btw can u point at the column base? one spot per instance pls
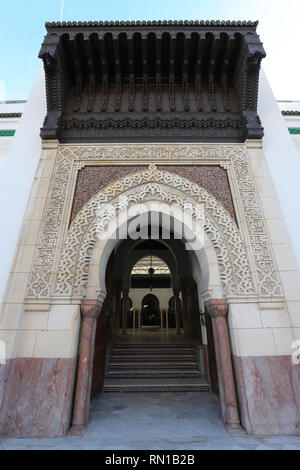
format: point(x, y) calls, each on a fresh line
point(234, 429)
point(77, 430)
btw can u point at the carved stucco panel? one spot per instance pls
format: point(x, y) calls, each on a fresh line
point(228, 156)
point(225, 236)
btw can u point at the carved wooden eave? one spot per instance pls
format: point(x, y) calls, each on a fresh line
point(152, 81)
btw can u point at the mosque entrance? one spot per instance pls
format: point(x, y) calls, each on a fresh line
point(157, 327)
point(154, 328)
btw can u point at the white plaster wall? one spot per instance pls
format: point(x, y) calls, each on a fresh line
point(260, 330)
point(12, 107)
point(282, 159)
point(17, 175)
point(5, 143)
point(8, 124)
point(296, 140)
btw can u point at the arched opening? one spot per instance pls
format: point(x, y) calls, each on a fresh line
point(192, 266)
point(150, 313)
point(153, 299)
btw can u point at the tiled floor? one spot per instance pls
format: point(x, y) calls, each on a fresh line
point(171, 421)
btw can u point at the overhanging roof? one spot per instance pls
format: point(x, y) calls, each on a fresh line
point(155, 80)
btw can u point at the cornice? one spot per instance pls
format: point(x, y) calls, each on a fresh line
point(10, 115)
point(143, 23)
point(290, 113)
point(141, 76)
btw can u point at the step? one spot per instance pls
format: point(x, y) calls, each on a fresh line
point(150, 365)
point(169, 357)
point(153, 373)
point(152, 345)
point(157, 385)
point(152, 351)
point(183, 388)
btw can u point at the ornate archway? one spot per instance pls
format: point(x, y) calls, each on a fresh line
point(88, 233)
point(147, 185)
point(150, 312)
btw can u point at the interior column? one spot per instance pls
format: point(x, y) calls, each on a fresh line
point(117, 307)
point(125, 308)
point(177, 310)
point(185, 306)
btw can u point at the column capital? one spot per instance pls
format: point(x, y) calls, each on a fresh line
point(217, 308)
point(91, 308)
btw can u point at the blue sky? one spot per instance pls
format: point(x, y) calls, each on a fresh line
point(22, 31)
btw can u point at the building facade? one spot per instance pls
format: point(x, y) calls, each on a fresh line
point(10, 114)
point(158, 116)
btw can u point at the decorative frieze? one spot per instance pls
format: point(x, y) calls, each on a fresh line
point(91, 179)
point(145, 185)
point(233, 157)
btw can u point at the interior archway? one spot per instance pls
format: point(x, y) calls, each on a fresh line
point(174, 315)
point(150, 312)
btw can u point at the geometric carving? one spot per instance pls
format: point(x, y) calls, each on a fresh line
point(91, 179)
point(213, 178)
point(232, 157)
point(148, 184)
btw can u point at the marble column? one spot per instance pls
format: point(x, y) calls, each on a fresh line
point(218, 310)
point(177, 310)
point(124, 311)
point(117, 308)
point(133, 319)
point(90, 311)
point(210, 310)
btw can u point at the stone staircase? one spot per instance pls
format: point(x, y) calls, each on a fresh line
point(155, 368)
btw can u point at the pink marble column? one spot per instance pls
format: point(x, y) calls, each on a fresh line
point(90, 311)
point(210, 310)
point(218, 310)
